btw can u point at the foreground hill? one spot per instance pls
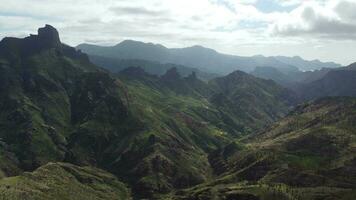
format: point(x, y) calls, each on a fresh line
point(39, 87)
point(310, 154)
point(64, 181)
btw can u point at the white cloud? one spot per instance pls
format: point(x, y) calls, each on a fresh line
point(230, 26)
point(333, 19)
point(289, 2)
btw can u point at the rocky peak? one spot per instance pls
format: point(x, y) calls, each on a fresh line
point(171, 74)
point(49, 36)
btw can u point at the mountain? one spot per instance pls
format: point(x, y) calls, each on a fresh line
point(241, 94)
point(304, 65)
point(336, 82)
point(291, 79)
point(37, 78)
point(57, 106)
point(152, 67)
point(154, 133)
point(310, 154)
point(271, 73)
point(198, 118)
point(314, 84)
point(70, 129)
point(204, 59)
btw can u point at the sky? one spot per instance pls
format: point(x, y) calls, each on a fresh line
point(312, 29)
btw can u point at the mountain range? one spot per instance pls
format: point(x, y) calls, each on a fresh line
point(314, 84)
point(70, 129)
point(202, 58)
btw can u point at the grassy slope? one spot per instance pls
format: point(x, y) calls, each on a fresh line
point(171, 151)
point(252, 101)
point(56, 106)
point(182, 127)
point(308, 155)
point(63, 181)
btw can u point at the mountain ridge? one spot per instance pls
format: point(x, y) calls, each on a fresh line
point(195, 56)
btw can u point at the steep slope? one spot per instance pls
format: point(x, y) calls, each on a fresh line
point(204, 59)
point(250, 98)
point(57, 106)
point(238, 89)
point(185, 122)
point(337, 82)
point(310, 154)
point(50, 96)
point(63, 181)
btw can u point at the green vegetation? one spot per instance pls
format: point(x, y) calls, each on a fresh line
point(305, 155)
point(63, 181)
point(166, 137)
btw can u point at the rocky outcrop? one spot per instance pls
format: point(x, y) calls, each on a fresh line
point(171, 75)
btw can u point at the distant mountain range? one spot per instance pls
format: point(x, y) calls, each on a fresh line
point(314, 84)
point(335, 82)
point(199, 57)
point(305, 65)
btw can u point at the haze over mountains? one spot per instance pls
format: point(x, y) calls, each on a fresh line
point(71, 129)
point(308, 79)
point(201, 58)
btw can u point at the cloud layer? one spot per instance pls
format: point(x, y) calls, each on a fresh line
point(332, 19)
point(312, 29)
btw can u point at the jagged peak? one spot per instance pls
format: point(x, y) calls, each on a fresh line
point(49, 35)
point(171, 74)
point(46, 38)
